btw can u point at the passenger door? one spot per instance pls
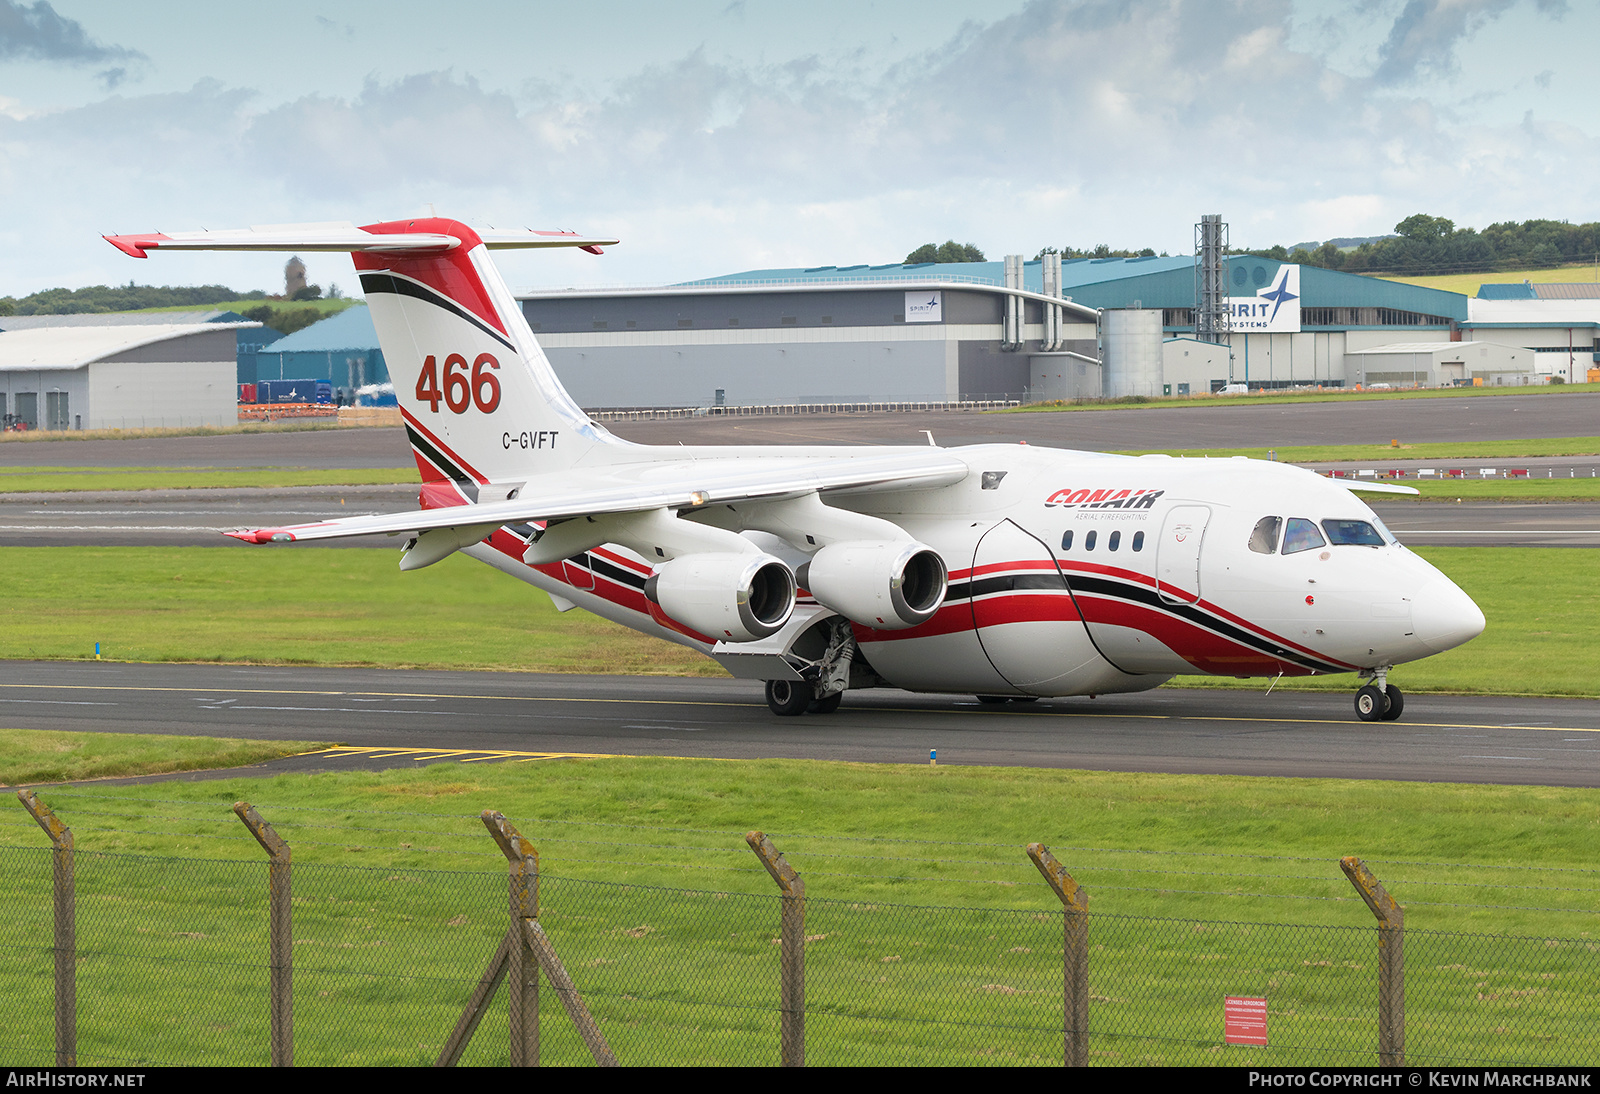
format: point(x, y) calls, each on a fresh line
point(1178, 553)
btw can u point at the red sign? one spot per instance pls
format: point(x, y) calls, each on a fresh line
point(1244, 1021)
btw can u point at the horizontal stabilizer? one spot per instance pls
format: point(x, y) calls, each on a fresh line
point(341, 236)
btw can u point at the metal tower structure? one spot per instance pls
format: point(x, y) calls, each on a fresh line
point(1211, 321)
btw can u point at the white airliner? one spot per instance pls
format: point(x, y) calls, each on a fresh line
point(1006, 571)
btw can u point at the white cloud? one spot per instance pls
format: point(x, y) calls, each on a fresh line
point(1073, 123)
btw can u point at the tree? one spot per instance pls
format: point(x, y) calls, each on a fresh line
point(948, 251)
point(1425, 229)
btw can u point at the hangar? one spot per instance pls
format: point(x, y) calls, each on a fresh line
point(93, 372)
point(853, 334)
point(1027, 330)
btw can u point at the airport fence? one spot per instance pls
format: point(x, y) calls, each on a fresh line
point(121, 959)
point(767, 410)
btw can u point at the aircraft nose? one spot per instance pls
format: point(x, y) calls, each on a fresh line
point(1443, 617)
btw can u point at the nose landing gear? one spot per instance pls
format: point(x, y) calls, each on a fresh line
point(1379, 701)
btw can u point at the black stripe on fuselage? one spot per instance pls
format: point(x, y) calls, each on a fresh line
point(1006, 583)
point(404, 286)
point(462, 480)
point(601, 568)
point(1191, 613)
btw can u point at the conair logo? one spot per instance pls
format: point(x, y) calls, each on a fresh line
point(459, 392)
point(1102, 499)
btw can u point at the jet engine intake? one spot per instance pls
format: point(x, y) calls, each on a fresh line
point(887, 586)
point(732, 597)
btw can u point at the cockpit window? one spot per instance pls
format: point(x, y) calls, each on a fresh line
point(1357, 533)
point(1264, 540)
point(1302, 535)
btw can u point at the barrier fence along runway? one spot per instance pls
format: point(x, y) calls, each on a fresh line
point(170, 958)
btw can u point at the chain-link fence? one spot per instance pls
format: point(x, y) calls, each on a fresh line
point(172, 963)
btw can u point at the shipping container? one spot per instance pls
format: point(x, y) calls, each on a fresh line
point(247, 393)
point(294, 391)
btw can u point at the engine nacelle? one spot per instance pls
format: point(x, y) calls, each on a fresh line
point(887, 586)
point(732, 597)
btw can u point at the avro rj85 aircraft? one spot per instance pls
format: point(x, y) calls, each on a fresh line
point(1006, 571)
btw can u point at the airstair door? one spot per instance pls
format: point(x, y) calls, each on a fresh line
point(1178, 553)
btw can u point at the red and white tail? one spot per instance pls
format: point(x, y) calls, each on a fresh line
point(481, 403)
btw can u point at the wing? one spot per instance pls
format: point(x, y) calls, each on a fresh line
point(1360, 487)
point(673, 484)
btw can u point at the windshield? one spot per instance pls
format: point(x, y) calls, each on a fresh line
point(1302, 535)
point(1356, 533)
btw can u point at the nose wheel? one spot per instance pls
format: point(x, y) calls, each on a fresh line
point(1379, 703)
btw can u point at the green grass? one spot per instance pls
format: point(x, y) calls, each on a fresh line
point(326, 305)
point(356, 608)
point(39, 436)
point(1507, 490)
point(1378, 453)
point(931, 938)
point(16, 480)
point(302, 606)
point(40, 756)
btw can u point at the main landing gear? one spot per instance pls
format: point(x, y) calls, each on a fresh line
point(1379, 701)
point(823, 682)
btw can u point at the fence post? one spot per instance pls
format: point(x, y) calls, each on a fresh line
point(280, 930)
point(1075, 956)
point(1391, 961)
point(792, 950)
point(65, 942)
point(523, 968)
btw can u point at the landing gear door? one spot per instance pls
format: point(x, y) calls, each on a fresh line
point(1178, 553)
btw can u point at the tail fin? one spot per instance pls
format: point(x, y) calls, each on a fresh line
point(480, 400)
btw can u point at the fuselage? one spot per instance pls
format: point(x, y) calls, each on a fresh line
point(1080, 573)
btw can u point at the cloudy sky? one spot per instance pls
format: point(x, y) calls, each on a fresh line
point(714, 136)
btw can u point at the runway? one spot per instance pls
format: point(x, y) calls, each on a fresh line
point(1212, 424)
point(404, 719)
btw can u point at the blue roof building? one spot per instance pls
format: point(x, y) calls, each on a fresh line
point(341, 349)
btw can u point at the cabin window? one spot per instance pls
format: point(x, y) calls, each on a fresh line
point(1088, 541)
point(1302, 535)
point(1355, 533)
point(1264, 540)
point(1114, 542)
point(1066, 540)
point(1138, 541)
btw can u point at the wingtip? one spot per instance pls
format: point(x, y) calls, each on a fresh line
point(261, 535)
point(135, 245)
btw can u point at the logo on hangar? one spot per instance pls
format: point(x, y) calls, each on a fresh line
point(1107, 498)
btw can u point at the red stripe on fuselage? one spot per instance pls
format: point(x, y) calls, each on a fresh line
point(1133, 576)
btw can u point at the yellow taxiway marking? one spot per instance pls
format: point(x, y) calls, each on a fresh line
point(761, 706)
point(466, 755)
